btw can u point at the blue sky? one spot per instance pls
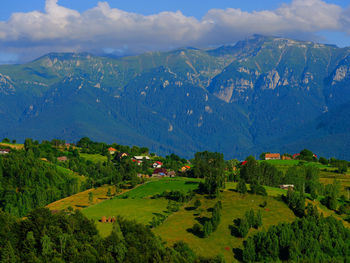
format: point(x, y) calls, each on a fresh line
point(32, 28)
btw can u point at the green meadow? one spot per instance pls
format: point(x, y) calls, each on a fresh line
point(95, 158)
point(137, 204)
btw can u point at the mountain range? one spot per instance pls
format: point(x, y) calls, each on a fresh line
point(263, 94)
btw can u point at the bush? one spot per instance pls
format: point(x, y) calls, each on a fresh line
point(197, 203)
point(258, 189)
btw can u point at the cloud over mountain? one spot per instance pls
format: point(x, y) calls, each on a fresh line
point(104, 28)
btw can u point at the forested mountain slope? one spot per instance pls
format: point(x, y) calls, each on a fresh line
point(254, 96)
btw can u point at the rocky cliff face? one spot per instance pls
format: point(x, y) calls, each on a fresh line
point(234, 99)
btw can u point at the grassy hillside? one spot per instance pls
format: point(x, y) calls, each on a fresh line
point(136, 204)
point(95, 158)
point(176, 227)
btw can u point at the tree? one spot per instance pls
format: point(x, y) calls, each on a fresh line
point(208, 228)
point(210, 166)
point(6, 140)
point(307, 155)
point(243, 227)
point(241, 187)
point(91, 197)
point(249, 250)
point(323, 161)
point(197, 203)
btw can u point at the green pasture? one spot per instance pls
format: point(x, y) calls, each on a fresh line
point(158, 186)
point(137, 204)
point(177, 226)
point(141, 210)
point(95, 158)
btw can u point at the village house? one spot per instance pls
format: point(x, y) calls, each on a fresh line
point(140, 158)
point(136, 162)
point(285, 157)
point(111, 150)
point(171, 174)
point(272, 156)
point(159, 172)
point(157, 164)
point(185, 168)
point(287, 186)
point(62, 159)
point(5, 151)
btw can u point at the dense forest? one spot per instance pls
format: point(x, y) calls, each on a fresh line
point(312, 237)
point(71, 237)
point(27, 182)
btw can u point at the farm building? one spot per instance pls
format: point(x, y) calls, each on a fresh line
point(287, 186)
point(5, 151)
point(140, 158)
point(272, 156)
point(157, 164)
point(62, 159)
point(111, 150)
point(185, 168)
point(285, 157)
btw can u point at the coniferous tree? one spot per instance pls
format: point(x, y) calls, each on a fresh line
point(241, 187)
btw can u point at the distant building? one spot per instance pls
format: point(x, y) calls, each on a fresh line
point(140, 158)
point(272, 156)
point(171, 174)
point(111, 150)
point(62, 159)
point(287, 186)
point(296, 155)
point(185, 168)
point(157, 164)
point(5, 151)
point(159, 172)
point(285, 157)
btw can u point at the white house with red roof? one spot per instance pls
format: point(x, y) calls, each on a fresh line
point(157, 164)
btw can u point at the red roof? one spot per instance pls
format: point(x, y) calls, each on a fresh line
point(296, 155)
point(158, 162)
point(244, 162)
point(111, 149)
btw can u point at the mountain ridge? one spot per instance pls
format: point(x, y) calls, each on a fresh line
point(236, 99)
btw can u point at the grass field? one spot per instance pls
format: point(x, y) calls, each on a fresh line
point(138, 204)
point(167, 184)
point(12, 145)
point(139, 209)
point(176, 226)
point(81, 200)
point(95, 158)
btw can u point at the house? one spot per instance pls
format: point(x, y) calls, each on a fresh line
point(272, 156)
point(244, 163)
point(185, 168)
point(136, 162)
point(171, 174)
point(120, 156)
point(295, 156)
point(157, 164)
point(287, 186)
point(159, 172)
point(62, 159)
point(111, 150)
point(5, 151)
point(140, 158)
point(285, 157)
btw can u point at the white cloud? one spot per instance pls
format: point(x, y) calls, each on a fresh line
point(105, 28)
